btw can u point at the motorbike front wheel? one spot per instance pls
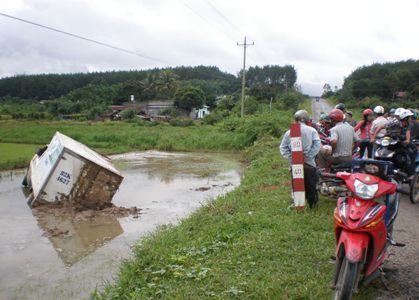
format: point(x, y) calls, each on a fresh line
point(347, 281)
point(414, 189)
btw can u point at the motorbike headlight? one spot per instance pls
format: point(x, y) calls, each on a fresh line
point(385, 143)
point(365, 191)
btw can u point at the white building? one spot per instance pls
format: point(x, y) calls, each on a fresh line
point(200, 113)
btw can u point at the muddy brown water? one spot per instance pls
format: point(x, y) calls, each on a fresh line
point(70, 261)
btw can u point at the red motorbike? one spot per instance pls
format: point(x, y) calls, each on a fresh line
point(363, 225)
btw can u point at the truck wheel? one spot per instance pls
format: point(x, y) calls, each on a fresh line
point(347, 281)
point(414, 189)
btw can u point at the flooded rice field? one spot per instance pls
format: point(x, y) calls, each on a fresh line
point(54, 256)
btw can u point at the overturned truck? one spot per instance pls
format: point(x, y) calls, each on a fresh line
point(67, 170)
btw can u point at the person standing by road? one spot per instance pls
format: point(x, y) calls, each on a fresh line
point(378, 127)
point(364, 128)
point(414, 127)
point(342, 138)
point(349, 118)
point(341, 106)
point(311, 146)
point(379, 124)
point(323, 126)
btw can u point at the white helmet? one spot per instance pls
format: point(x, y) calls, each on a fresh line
point(405, 114)
point(398, 111)
point(379, 109)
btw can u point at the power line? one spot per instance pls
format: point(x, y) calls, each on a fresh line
point(223, 16)
point(85, 39)
point(206, 20)
point(210, 23)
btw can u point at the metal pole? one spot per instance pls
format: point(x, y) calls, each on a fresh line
point(243, 74)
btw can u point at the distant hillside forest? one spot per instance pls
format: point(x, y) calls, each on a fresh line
point(50, 86)
point(390, 83)
point(89, 94)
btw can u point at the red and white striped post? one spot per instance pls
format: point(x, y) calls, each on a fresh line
point(297, 166)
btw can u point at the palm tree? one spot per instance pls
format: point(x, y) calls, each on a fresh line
point(167, 83)
point(150, 82)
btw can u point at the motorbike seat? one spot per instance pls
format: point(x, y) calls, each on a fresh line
point(347, 165)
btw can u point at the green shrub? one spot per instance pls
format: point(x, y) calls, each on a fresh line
point(181, 122)
point(128, 114)
point(250, 128)
point(213, 118)
point(230, 123)
point(171, 111)
point(289, 101)
point(94, 112)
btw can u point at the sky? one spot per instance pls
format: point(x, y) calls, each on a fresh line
point(324, 40)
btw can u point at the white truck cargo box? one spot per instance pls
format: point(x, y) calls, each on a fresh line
point(69, 170)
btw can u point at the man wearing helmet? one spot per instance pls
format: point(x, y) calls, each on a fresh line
point(323, 126)
point(414, 126)
point(349, 118)
point(379, 124)
point(311, 146)
point(401, 128)
point(347, 114)
point(392, 126)
point(341, 107)
point(342, 137)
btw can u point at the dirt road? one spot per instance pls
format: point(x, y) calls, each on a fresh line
point(402, 267)
point(318, 107)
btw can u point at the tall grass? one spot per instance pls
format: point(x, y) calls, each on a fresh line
point(248, 244)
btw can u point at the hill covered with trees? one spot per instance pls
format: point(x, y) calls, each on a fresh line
point(389, 83)
point(90, 94)
point(50, 86)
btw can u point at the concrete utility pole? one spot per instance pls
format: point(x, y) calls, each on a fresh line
point(244, 72)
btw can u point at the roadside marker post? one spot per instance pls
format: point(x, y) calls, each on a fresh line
point(297, 167)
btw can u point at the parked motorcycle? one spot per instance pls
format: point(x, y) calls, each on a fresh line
point(389, 149)
point(363, 225)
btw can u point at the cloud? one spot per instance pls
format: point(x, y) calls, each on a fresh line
point(325, 40)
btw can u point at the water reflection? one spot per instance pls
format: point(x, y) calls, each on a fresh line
point(11, 175)
point(73, 238)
